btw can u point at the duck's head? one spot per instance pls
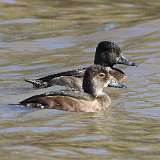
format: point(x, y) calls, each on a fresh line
point(109, 53)
point(95, 79)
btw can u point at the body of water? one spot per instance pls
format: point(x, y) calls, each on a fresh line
point(38, 38)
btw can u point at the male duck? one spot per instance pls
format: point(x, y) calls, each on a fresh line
point(107, 54)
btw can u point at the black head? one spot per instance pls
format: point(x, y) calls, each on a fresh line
point(94, 80)
point(109, 53)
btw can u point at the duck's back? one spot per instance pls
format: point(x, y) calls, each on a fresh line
point(70, 82)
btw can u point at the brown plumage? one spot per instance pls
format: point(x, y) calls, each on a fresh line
point(91, 99)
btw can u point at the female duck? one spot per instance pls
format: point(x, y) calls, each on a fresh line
point(92, 99)
point(107, 54)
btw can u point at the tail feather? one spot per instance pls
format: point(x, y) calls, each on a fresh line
point(36, 83)
point(33, 99)
point(36, 101)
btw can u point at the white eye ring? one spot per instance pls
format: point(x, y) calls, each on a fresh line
point(102, 75)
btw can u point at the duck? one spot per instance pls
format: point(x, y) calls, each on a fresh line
point(91, 99)
point(107, 54)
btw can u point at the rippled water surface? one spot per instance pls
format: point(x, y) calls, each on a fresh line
point(40, 37)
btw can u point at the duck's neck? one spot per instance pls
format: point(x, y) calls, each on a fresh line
point(100, 59)
point(91, 88)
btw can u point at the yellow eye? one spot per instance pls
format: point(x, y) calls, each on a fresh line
point(102, 75)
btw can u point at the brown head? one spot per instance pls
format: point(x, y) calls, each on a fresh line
point(109, 53)
point(95, 79)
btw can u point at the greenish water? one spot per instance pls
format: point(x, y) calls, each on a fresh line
point(40, 37)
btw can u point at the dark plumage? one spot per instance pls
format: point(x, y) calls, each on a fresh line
point(107, 54)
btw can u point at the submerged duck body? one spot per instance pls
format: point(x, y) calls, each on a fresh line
point(107, 54)
point(91, 99)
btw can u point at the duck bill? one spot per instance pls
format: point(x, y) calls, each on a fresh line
point(123, 60)
point(116, 84)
